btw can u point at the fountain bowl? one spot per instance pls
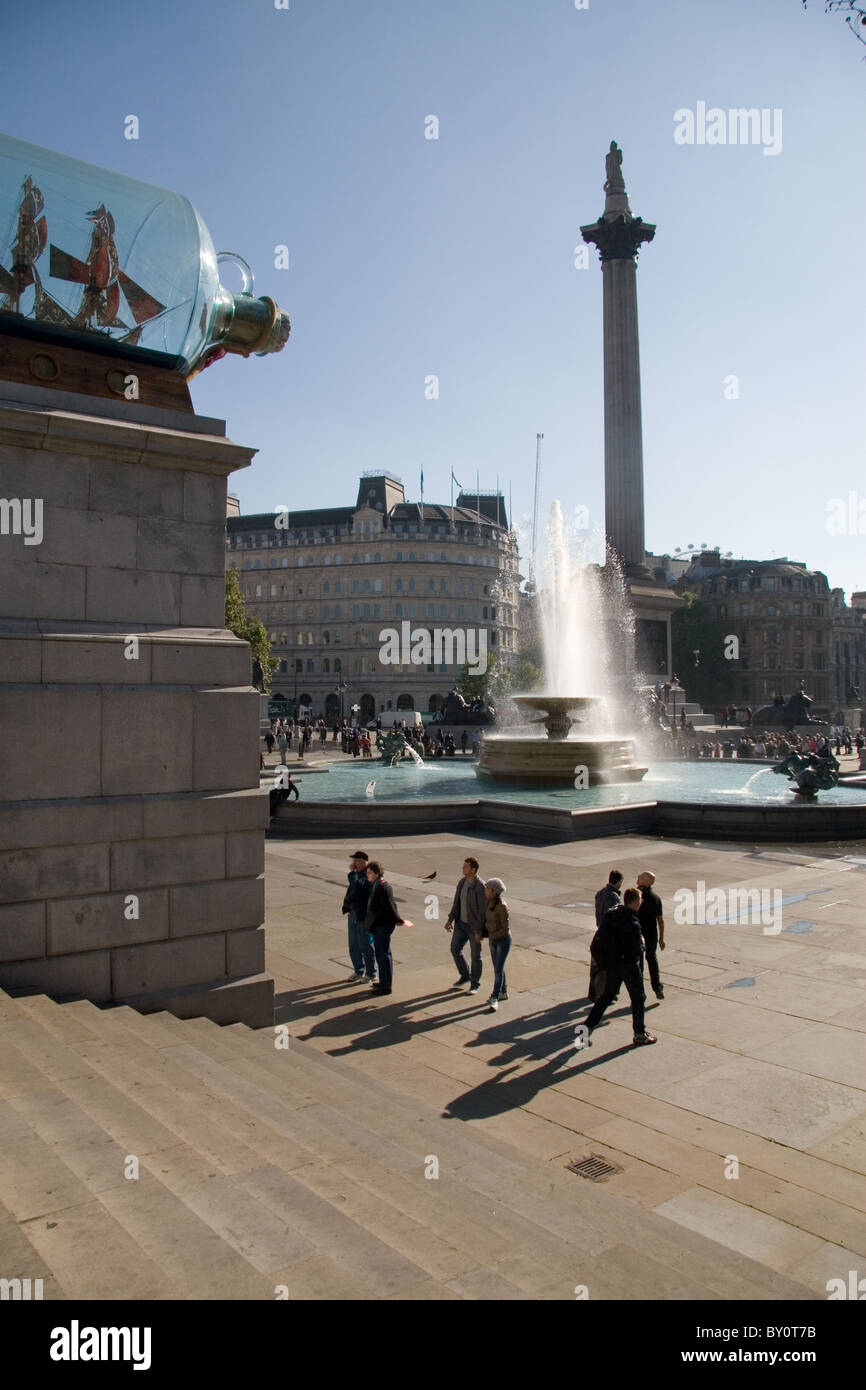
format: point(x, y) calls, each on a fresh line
point(560, 759)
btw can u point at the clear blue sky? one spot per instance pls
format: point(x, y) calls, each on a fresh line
point(455, 257)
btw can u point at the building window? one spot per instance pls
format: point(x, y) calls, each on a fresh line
point(377, 586)
point(398, 610)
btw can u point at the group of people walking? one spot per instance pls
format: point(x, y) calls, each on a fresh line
point(479, 910)
point(629, 927)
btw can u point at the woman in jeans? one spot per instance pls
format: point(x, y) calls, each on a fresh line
point(382, 917)
point(496, 930)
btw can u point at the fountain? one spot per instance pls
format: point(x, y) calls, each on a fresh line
point(562, 759)
point(580, 608)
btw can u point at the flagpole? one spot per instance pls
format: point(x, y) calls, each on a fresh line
point(478, 495)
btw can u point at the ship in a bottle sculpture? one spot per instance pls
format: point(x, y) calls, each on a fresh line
point(86, 252)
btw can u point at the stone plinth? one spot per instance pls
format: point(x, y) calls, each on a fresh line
point(131, 824)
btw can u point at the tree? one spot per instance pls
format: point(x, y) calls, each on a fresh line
point(250, 630)
point(476, 687)
point(528, 676)
point(855, 15)
point(694, 629)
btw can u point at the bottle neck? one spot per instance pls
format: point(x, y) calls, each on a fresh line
point(244, 324)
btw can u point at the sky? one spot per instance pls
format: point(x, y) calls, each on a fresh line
point(454, 257)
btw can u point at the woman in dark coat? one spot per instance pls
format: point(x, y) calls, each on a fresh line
point(382, 917)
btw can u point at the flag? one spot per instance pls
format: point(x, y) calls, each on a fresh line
point(454, 480)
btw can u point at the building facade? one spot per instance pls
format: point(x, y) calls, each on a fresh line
point(335, 586)
point(790, 628)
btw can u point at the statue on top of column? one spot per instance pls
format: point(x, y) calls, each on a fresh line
point(614, 182)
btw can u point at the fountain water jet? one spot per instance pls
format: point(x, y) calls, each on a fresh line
point(580, 654)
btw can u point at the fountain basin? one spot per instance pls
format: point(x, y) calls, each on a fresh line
point(547, 762)
point(559, 760)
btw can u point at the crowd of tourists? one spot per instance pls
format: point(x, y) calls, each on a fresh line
point(630, 929)
point(773, 745)
point(284, 735)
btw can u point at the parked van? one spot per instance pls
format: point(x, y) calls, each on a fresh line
point(393, 718)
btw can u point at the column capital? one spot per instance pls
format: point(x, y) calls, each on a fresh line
point(618, 238)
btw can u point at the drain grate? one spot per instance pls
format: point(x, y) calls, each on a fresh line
point(593, 1167)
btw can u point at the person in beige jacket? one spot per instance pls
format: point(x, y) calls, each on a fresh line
point(496, 929)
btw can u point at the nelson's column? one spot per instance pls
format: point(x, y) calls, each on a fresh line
point(618, 234)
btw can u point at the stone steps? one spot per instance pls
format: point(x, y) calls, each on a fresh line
point(262, 1167)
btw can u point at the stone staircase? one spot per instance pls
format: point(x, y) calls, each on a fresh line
point(268, 1172)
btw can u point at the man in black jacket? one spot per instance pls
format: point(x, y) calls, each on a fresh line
point(606, 898)
point(355, 904)
point(619, 948)
point(382, 917)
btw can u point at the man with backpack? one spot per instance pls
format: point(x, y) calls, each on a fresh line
point(619, 951)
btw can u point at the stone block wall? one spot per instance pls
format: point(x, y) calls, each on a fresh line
point(131, 824)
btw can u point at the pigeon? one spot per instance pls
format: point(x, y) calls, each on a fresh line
point(429, 877)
